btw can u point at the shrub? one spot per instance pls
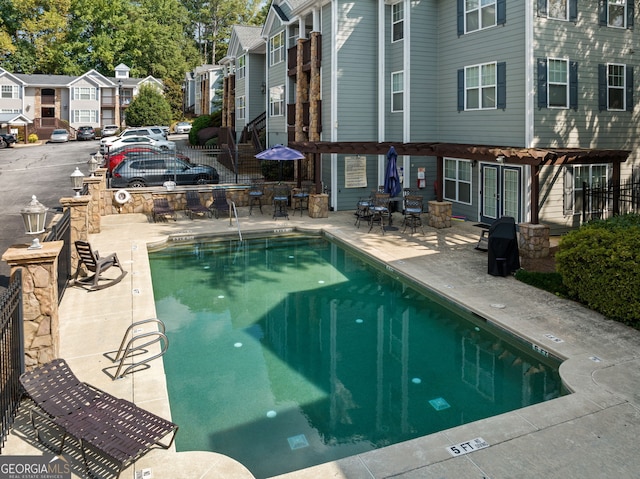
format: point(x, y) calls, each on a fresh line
point(203, 121)
point(33, 138)
point(599, 264)
point(551, 282)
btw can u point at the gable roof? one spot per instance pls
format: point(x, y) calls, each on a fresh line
point(246, 38)
point(16, 79)
point(96, 77)
point(275, 18)
point(14, 119)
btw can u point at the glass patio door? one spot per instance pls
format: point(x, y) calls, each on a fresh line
point(500, 193)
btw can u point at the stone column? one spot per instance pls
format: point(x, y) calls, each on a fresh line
point(79, 224)
point(93, 210)
point(319, 206)
point(533, 241)
point(440, 214)
point(39, 300)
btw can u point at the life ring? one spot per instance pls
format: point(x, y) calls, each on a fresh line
point(122, 197)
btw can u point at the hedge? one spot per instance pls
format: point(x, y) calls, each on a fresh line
point(600, 267)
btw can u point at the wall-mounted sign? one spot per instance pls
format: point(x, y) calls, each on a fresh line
point(355, 171)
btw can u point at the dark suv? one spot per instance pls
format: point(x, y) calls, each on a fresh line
point(141, 172)
point(7, 139)
point(86, 133)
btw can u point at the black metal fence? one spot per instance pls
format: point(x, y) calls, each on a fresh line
point(11, 353)
point(601, 202)
point(61, 231)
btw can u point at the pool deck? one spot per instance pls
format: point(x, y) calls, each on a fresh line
point(592, 433)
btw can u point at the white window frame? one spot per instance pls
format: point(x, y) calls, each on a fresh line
point(240, 70)
point(580, 175)
point(9, 110)
point(12, 90)
point(551, 10)
point(617, 4)
point(556, 81)
point(397, 22)
point(240, 107)
point(622, 88)
point(84, 93)
point(85, 116)
point(482, 85)
point(476, 7)
point(461, 179)
point(397, 90)
point(276, 100)
point(276, 48)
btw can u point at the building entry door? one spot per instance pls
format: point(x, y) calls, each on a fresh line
point(500, 192)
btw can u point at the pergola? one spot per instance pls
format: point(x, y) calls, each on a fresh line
point(534, 157)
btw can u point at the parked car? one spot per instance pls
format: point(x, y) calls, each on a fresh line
point(141, 172)
point(86, 133)
point(59, 135)
point(136, 140)
point(7, 139)
point(109, 130)
point(182, 127)
point(154, 132)
point(135, 151)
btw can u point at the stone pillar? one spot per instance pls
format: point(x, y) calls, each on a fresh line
point(440, 214)
point(39, 300)
point(319, 206)
point(533, 241)
point(93, 210)
point(79, 224)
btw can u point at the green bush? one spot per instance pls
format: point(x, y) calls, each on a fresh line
point(599, 264)
point(33, 138)
point(203, 121)
point(551, 282)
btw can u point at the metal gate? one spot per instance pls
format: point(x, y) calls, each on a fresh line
point(61, 231)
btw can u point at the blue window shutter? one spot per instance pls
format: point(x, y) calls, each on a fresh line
point(460, 17)
point(542, 8)
point(602, 13)
point(602, 87)
point(573, 10)
point(461, 89)
point(542, 82)
point(501, 85)
point(573, 85)
point(630, 14)
point(501, 12)
point(629, 71)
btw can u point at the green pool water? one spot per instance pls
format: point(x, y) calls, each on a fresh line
point(286, 352)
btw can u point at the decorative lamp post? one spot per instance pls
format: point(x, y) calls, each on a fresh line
point(34, 216)
point(77, 178)
point(92, 164)
point(120, 100)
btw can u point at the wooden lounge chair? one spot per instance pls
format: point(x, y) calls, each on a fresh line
point(195, 207)
point(162, 210)
point(105, 426)
point(96, 265)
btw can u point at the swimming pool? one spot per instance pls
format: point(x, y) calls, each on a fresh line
point(292, 351)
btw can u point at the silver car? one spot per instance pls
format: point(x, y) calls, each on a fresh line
point(59, 135)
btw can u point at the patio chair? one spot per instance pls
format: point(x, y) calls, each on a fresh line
point(380, 211)
point(105, 426)
point(300, 198)
point(363, 210)
point(412, 212)
point(256, 192)
point(162, 210)
point(195, 207)
point(97, 265)
point(281, 201)
point(220, 203)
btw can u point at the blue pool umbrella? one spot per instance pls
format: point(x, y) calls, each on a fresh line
point(391, 179)
point(280, 152)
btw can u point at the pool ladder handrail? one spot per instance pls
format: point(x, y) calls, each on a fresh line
point(131, 349)
point(232, 204)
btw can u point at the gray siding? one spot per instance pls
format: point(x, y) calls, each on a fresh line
point(277, 75)
point(257, 99)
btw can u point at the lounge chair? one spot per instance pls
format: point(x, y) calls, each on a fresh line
point(105, 426)
point(195, 207)
point(162, 210)
point(220, 203)
point(96, 265)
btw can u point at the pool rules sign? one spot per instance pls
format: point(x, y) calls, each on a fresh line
point(467, 447)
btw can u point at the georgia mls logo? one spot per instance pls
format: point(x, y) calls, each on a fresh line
point(34, 467)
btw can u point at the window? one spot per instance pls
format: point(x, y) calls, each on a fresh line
point(85, 116)
point(240, 108)
point(9, 91)
point(241, 67)
point(276, 101)
point(557, 83)
point(479, 14)
point(276, 48)
point(616, 13)
point(397, 21)
point(558, 9)
point(575, 177)
point(397, 91)
point(84, 93)
point(9, 110)
point(615, 87)
point(480, 87)
point(457, 180)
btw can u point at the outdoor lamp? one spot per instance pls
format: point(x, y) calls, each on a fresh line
point(77, 178)
point(92, 164)
point(34, 216)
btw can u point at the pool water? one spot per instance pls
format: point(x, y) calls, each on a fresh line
point(286, 352)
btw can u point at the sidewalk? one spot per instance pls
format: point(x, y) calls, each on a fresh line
point(588, 434)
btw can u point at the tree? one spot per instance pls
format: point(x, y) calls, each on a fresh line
point(148, 108)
